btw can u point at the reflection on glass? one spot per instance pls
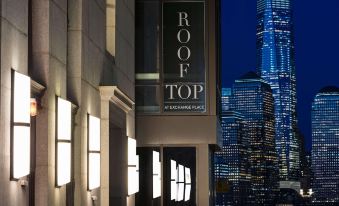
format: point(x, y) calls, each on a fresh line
point(187, 192)
point(147, 98)
point(187, 175)
point(180, 191)
point(181, 174)
point(174, 175)
point(187, 183)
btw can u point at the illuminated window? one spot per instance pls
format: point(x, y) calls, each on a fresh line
point(20, 129)
point(133, 167)
point(93, 152)
point(181, 183)
point(63, 141)
point(156, 175)
point(174, 179)
point(187, 184)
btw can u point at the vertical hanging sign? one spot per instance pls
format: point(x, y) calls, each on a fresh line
point(183, 57)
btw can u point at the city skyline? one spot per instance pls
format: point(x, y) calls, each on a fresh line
point(325, 152)
point(242, 46)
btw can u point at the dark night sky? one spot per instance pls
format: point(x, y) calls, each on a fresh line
point(316, 25)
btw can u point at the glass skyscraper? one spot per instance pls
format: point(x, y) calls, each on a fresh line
point(234, 156)
point(325, 146)
point(276, 65)
point(252, 97)
point(232, 162)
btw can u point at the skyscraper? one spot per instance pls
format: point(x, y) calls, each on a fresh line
point(252, 97)
point(234, 156)
point(276, 65)
point(325, 146)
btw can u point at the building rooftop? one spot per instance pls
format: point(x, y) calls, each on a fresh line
point(250, 75)
point(329, 89)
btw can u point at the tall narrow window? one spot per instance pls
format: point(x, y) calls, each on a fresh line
point(187, 184)
point(133, 162)
point(93, 152)
point(174, 179)
point(110, 26)
point(181, 182)
point(156, 175)
point(63, 141)
point(20, 125)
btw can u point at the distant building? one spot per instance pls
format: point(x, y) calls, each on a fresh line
point(276, 65)
point(252, 97)
point(325, 147)
point(305, 167)
point(226, 94)
point(234, 156)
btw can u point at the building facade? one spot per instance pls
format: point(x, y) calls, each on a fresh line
point(67, 144)
point(325, 146)
point(276, 65)
point(177, 99)
point(252, 97)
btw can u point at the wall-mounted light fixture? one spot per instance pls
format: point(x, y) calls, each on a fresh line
point(133, 170)
point(63, 141)
point(156, 175)
point(93, 163)
point(20, 125)
point(34, 107)
point(174, 179)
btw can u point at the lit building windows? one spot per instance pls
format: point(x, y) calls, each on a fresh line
point(325, 147)
point(20, 128)
point(63, 141)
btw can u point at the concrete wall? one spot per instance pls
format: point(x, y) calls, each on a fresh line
point(69, 57)
point(14, 54)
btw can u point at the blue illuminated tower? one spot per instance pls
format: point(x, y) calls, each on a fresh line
point(276, 65)
point(325, 146)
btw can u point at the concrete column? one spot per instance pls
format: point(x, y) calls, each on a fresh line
point(104, 130)
point(14, 53)
point(202, 160)
point(49, 48)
